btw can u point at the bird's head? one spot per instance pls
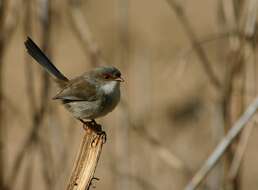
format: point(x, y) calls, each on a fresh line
point(107, 74)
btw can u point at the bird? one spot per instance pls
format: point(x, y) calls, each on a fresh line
point(87, 97)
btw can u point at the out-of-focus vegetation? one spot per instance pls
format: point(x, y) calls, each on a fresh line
point(190, 71)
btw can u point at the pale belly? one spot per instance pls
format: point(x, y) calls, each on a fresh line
point(94, 109)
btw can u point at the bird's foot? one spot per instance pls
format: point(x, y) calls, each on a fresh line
point(90, 124)
point(93, 125)
point(102, 135)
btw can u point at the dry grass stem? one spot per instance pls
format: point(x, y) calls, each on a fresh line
point(223, 145)
point(82, 32)
point(167, 156)
point(241, 149)
point(194, 42)
point(38, 113)
point(162, 151)
point(3, 6)
point(87, 160)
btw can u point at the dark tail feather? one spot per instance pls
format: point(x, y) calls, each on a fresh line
point(42, 59)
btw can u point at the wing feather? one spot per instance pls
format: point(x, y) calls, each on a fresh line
point(78, 89)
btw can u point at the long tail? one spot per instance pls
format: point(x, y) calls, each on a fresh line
point(43, 60)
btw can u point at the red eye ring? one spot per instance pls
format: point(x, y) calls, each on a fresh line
point(107, 76)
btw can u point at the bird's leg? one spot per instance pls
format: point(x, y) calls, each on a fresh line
point(82, 121)
point(88, 124)
point(96, 126)
point(93, 122)
point(85, 124)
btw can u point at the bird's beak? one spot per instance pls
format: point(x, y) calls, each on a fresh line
point(120, 79)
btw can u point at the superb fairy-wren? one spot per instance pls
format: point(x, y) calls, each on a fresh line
point(89, 96)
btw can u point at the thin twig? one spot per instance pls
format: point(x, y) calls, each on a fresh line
point(172, 160)
point(239, 154)
point(122, 58)
point(37, 114)
point(249, 31)
point(206, 40)
point(165, 154)
point(46, 22)
point(3, 5)
point(82, 31)
point(223, 145)
point(47, 166)
point(177, 8)
point(29, 74)
point(12, 18)
point(240, 47)
point(27, 182)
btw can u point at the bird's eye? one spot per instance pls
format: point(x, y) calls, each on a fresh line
point(107, 76)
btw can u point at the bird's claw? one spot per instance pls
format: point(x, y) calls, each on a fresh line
point(93, 125)
point(101, 135)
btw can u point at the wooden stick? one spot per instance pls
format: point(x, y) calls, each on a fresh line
point(87, 160)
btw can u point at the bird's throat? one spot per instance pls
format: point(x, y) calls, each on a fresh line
point(110, 87)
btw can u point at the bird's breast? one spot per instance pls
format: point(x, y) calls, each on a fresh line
point(111, 93)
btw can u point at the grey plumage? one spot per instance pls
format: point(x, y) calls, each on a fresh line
point(89, 96)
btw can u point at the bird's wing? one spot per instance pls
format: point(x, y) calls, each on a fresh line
point(78, 89)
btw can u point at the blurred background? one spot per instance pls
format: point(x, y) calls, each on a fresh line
point(190, 71)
